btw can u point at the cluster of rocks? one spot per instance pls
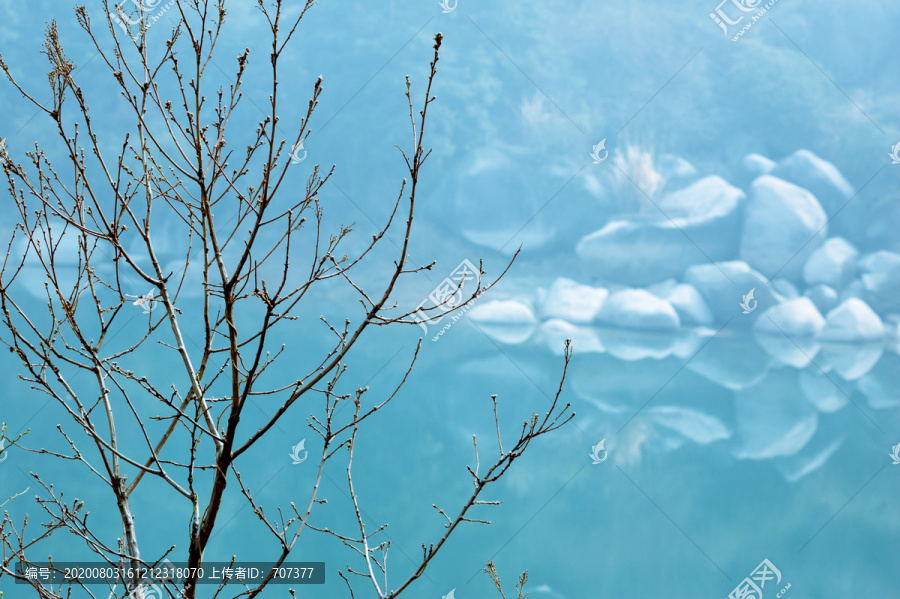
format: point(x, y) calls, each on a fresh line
point(776, 260)
point(712, 245)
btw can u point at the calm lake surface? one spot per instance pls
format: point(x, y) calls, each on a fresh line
point(716, 456)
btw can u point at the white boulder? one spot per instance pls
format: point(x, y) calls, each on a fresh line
point(700, 222)
point(819, 176)
point(824, 297)
point(793, 318)
point(832, 264)
point(724, 284)
point(507, 321)
point(705, 207)
point(757, 165)
point(502, 312)
point(881, 279)
point(787, 331)
point(852, 320)
point(572, 302)
point(783, 224)
point(638, 309)
point(692, 309)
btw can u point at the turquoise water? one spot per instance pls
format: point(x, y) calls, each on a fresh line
point(684, 508)
point(725, 442)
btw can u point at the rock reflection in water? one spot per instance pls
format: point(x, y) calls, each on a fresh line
point(761, 395)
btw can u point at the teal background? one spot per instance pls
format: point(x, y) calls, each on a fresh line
point(523, 92)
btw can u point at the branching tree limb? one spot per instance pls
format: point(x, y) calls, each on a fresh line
point(251, 250)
